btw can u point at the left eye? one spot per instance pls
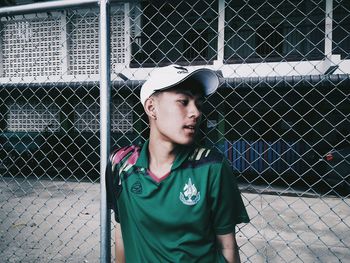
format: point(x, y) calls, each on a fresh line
point(183, 102)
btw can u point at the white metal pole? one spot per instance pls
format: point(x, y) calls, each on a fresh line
point(221, 32)
point(105, 95)
point(127, 34)
point(328, 29)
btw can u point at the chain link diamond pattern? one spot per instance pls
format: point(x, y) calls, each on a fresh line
point(280, 116)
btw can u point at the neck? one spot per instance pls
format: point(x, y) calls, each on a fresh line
point(162, 154)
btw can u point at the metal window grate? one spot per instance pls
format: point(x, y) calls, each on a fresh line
point(33, 117)
point(31, 47)
point(118, 45)
point(122, 117)
point(83, 44)
point(83, 40)
point(87, 117)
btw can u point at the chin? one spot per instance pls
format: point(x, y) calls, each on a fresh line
point(186, 141)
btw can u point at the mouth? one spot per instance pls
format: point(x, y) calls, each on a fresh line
point(191, 128)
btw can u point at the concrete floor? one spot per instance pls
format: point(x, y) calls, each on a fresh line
point(54, 221)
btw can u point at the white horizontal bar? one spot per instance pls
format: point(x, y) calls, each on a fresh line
point(36, 7)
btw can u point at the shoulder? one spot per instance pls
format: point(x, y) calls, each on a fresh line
point(127, 153)
point(205, 156)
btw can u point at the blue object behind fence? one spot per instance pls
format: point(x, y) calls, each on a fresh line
point(261, 156)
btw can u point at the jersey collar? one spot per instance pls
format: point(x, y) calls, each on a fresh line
point(143, 160)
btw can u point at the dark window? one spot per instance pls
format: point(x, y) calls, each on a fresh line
point(183, 33)
point(195, 45)
point(258, 31)
point(341, 28)
point(269, 41)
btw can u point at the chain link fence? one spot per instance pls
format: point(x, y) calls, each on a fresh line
point(281, 117)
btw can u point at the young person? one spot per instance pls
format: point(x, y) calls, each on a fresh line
point(173, 200)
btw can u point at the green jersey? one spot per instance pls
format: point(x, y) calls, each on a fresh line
point(176, 218)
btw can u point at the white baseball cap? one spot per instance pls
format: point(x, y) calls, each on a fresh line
point(167, 77)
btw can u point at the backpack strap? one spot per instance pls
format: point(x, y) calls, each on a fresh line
point(119, 160)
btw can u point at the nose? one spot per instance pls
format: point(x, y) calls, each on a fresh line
point(194, 111)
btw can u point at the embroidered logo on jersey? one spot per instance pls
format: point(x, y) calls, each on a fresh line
point(190, 195)
point(136, 188)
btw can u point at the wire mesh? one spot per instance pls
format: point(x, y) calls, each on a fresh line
point(280, 116)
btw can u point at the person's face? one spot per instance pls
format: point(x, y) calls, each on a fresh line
point(178, 114)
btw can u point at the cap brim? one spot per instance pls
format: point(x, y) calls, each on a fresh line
point(175, 75)
point(205, 77)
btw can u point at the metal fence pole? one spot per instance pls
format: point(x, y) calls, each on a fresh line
point(104, 41)
point(328, 29)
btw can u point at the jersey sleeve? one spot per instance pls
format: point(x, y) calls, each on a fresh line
point(227, 205)
point(116, 160)
point(111, 188)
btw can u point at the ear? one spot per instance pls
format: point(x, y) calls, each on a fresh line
point(150, 108)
